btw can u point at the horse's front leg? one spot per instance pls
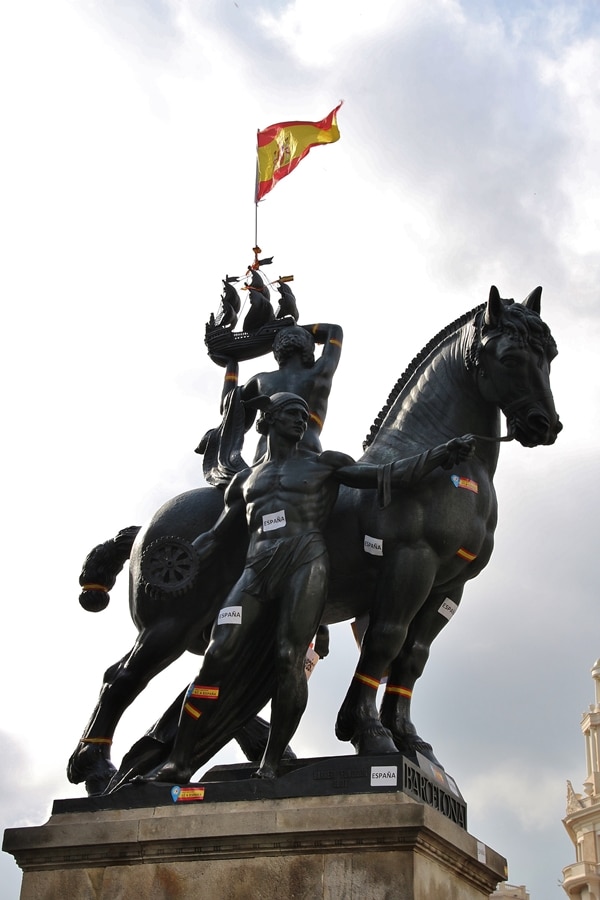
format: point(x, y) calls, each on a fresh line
point(403, 585)
point(408, 667)
point(154, 649)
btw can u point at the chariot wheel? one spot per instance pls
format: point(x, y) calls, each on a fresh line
point(170, 565)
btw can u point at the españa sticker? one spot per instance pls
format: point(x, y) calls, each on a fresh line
point(374, 546)
point(382, 776)
point(231, 615)
point(186, 794)
point(275, 520)
point(448, 608)
point(467, 483)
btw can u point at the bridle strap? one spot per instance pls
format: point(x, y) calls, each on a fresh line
point(510, 408)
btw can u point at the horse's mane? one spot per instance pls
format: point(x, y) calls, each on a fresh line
point(413, 366)
point(522, 323)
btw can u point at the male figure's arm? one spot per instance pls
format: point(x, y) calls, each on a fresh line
point(407, 471)
point(230, 381)
point(209, 541)
point(331, 336)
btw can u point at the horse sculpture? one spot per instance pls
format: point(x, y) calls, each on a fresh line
point(401, 558)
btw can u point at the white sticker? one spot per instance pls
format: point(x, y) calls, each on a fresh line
point(374, 546)
point(481, 855)
point(310, 661)
point(448, 608)
point(231, 615)
point(274, 520)
point(383, 775)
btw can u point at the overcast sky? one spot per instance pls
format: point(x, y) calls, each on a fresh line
point(468, 157)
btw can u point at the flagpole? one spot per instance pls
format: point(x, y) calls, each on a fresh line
point(256, 193)
point(279, 149)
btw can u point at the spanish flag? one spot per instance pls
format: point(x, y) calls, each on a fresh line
point(282, 146)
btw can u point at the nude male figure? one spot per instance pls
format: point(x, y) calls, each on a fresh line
point(299, 373)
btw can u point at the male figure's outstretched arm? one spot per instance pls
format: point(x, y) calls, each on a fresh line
point(407, 471)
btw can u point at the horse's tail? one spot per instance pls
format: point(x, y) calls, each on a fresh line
point(101, 567)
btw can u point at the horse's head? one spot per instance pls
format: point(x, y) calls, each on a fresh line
point(511, 355)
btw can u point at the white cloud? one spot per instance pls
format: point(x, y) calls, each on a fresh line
point(532, 796)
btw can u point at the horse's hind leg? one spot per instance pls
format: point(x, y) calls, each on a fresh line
point(401, 591)
point(153, 651)
point(407, 669)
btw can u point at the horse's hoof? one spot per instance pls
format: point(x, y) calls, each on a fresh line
point(344, 729)
point(265, 773)
point(97, 784)
point(89, 765)
point(410, 744)
point(376, 741)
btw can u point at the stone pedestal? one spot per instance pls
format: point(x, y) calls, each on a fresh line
point(374, 846)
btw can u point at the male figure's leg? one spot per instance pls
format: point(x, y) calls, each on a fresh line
point(201, 704)
point(299, 613)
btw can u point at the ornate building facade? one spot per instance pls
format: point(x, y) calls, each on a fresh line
point(510, 892)
point(581, 879)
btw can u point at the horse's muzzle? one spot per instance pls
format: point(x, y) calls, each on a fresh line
point(534, 428)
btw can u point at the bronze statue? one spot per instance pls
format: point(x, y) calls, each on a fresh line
point(287, 499)
point(403, 559)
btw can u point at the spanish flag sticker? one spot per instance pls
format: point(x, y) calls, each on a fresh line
point(204, 692)
point(186, 794)
point(467, 483)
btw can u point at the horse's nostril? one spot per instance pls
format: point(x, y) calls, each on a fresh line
point(538, 422)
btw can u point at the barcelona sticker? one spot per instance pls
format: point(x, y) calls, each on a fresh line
point(467, 483)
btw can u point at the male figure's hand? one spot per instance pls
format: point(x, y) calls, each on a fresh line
point(459, 449)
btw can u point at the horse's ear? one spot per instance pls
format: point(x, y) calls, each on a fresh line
point(493, 311)
point(534, 300)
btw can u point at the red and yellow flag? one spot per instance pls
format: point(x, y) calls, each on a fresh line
point(282, 146)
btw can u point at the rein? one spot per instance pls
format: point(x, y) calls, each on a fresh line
point(494, 440)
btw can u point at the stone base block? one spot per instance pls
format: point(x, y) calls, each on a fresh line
point(360, 847)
